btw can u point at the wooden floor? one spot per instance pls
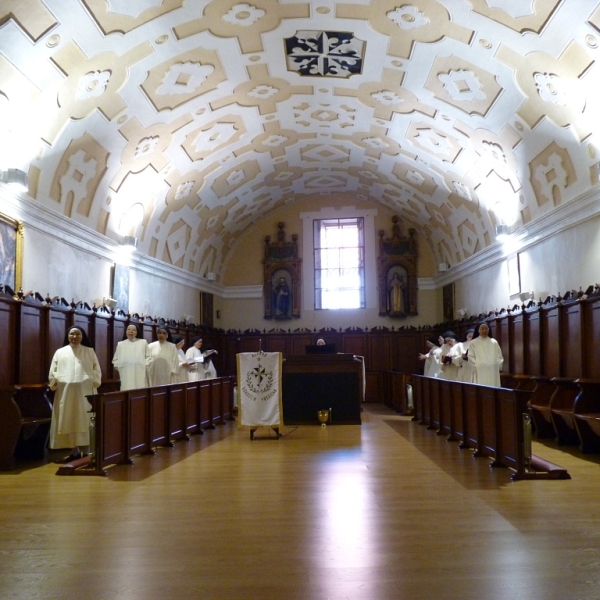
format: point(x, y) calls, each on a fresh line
point(386, 510)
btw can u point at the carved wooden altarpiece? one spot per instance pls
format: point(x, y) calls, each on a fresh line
point(397, 273)
point(282, 289)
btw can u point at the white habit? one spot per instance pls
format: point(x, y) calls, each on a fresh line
point(450, 370)
point(182, 372)
point(74, 374)
point(131, 359)
point(196, 368)
point(486, 359)
point(164, 364)
point(465, 368)
point(209, 369)
point(432, 367)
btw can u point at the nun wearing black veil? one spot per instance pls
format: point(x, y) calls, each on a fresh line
point(164, 364)
point(74, 374)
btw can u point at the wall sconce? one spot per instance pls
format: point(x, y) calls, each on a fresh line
point(15, 178)
point(462, 312)
point(443, 267)
point(109, 303)
point(129, 241)
point(503, 231)
point(525, 296)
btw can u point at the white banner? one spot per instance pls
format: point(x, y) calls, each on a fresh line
point(259, 389)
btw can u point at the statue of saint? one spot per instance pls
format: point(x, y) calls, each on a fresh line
point(396, 294)
point(281, 298)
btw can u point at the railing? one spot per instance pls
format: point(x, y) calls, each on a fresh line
point(137, 421)
point(486, 419)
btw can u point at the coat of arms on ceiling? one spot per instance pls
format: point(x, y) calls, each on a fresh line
point(325, 53)
point(397, 272)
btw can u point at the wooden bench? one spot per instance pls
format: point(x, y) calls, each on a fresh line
point(586, 414)
point(25, 416)
point(561, 408)
point(540, 407)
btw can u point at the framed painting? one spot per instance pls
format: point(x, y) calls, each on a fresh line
point(120, 288)
point(448, 301)
point(11, 252)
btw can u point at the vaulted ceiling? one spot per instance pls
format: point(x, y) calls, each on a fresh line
point(185, 122)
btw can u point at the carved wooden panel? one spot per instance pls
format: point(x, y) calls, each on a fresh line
point(103, 342)
point(353, 343)
point(533, 354)
point(592, 339)
point(177, 412)
point(276, 343)
point(407, 348)
point(397, 273)
point(8, 356)
point(550, 342)
point(299, 343)
point(571, 340)
point(282, 288)
point(502, 335)
point(518, 344)
point(159, 416)
point(379, 356)
point(35, 363)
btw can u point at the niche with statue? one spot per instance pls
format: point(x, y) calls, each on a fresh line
point(282, 276)
point(397, 272)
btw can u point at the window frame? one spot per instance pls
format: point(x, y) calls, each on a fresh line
point(329, 263)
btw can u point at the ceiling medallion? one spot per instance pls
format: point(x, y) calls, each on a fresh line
point(325, 54)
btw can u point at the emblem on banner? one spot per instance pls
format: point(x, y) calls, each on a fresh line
point(259, 383)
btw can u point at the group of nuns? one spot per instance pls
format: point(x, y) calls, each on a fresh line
point(75, 373)
point(477, 359)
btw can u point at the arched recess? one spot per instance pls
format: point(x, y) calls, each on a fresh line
point(282, 277)
point(397, 273)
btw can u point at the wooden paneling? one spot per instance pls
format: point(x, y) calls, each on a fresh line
point(501, 332)
point(592, 339)
point(276, 343)
point(354, 343)
point(517, 326)
point(103, 344)
point(10, 342)
point(407, 351)
point(571, 333)
point(550, 341)
point(379, 356)
point(299, 343)
point(35, 362)
point(533, 354)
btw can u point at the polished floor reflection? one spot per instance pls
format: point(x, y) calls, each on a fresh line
point(386, 510)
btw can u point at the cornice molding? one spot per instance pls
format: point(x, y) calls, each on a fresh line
point(35, 216)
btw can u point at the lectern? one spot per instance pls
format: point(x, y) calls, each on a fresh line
point(322, 381)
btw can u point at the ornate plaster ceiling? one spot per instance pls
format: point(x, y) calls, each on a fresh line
point(185, 122)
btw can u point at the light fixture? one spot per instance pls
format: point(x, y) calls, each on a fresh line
point(462, 312)
point(129, 241)
point(15, 178)
point(502, 231)
point(443, 267)
point(524, 296)
point(109, 302)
